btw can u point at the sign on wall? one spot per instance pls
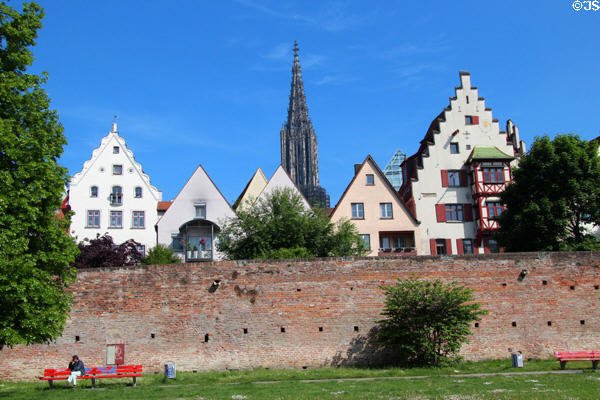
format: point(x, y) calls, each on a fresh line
point(115, 354)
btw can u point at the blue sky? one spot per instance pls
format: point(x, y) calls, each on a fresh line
point(207, 82)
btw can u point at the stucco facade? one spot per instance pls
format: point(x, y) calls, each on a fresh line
point(194, 218)
point(251, 192)
point(382, 220)
point(113, 195)
point(439, 185)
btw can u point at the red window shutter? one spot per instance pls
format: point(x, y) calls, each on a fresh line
point(440, 212)
point(445, 182)
point(468, 212)
point(475, 120)
point(432, 246)
point(459, 246)
point(463, 177)
point(475, 248)
point(486, 247)
point(449, 246)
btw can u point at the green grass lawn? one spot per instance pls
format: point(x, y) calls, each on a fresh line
point(433, 383)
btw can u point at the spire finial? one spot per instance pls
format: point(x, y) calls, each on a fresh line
point(295, 48)
point(114, 124)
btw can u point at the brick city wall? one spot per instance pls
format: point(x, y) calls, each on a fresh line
point(308, 313)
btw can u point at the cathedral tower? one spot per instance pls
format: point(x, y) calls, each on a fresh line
point(299, 142)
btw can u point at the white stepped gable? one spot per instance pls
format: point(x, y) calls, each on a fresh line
point(109, 141)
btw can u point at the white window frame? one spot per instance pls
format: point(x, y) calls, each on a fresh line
point(95, 216)
point(115, 167)
point(139, 216)
point(366, 238)
point(358, 210)
point(135, 194)
point(116, 219)
point(197, 207)
point(386, 212)
point(370, 180)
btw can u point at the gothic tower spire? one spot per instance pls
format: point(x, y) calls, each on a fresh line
point(299, 156)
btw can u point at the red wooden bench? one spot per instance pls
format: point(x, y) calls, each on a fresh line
point(120, 371)
point(564, 356)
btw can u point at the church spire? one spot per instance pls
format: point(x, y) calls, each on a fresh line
point(299, 156)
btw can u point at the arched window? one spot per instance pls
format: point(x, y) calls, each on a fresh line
point(138, 192)
point(94, 191)
point(116, 197)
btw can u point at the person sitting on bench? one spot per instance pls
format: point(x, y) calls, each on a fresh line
point(77, 369)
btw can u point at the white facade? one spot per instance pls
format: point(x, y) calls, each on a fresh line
point(194, 219)
point(113, 195)
point(464, 125)
point(282, 180)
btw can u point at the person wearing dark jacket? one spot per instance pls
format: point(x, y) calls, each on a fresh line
point(77, 369)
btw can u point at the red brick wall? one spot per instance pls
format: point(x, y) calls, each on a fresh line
point(178, 306)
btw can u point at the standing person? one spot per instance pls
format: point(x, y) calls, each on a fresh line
point(77, 369)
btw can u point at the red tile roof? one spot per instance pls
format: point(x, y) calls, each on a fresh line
point(163, 205)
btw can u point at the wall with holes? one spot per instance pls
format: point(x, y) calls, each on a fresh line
point(309, 313)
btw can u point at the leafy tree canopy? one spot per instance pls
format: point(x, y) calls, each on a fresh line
point(279, 226)
point(35, 249)
point(160, 255)
point(555, 194)
point(427, 321)
point(102, 252)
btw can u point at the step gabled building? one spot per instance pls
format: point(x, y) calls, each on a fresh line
point(453, 182)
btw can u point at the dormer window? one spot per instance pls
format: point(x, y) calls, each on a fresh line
point(94, 191)
point(370, 179)
point(116, 150)
point(138, 192)
point(200, 210)
point(117, 169)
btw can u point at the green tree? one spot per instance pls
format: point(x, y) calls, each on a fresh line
point(160, 255)
point(35, 249)
point(427, 321)
point(279, 226)
point(555, 192)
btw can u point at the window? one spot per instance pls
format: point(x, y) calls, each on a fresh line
point(358, 210)
point(94, 191)
point(384, 243)
point(454, 178)
point(370, 179)
point(93, 219)
point(440, 246)
point(467, 246)
point(471, 120)
point(493, 175)
point(116, 197)
point(494, 209)
point(200, 209)
point(116, 219)
point(117, 170)
point(386, 210)
point(366, 240)
point(138, 219)
point(138, 192)
point(141, 249)
point(453, 148)
point(454, 212)
point(493, 245)
point(177, 242)
point(116, 150)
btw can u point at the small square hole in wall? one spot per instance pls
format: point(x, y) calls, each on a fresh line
point(320, 329)
point(476, 324)
point(282, 329)
point(544, 283)
point(582, 322)
point(77, 338)
point(298, 290)
point(504, 284)
point(351, 288)
point(549, 323)
point(514, 323)
point(304, 367)
point(596, 287)
point(152, 335)
point(572, 287)
point(245, 331)
point(206, 338)
point(355, 328)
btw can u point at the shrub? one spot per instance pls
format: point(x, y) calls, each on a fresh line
point(160, 255)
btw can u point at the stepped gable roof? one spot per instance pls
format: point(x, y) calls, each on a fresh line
point(386, 182)
point(488, 153)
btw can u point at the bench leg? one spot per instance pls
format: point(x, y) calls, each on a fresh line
point(595, 364)
point(51, 382)
point(134, 380)
point(563, 364)
point(93, 383)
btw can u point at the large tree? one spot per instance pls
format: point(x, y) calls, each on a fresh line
point(35, 249)
point(279, 226)
point(554, 198)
